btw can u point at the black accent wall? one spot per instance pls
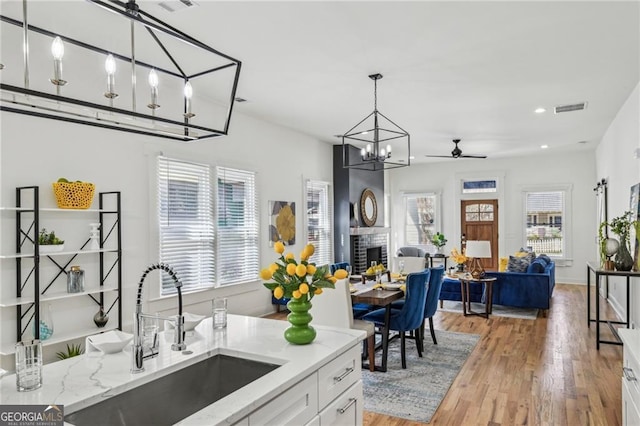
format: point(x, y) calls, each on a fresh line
point(348, 185)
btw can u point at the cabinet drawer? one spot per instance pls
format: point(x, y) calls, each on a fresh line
point(631, 370)
point(296, 406)
point(630, 413)
point(338, 375)
point(346, 410)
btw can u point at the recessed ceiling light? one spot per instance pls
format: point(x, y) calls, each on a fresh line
point(544, 146)
point(364, 133)
point(540, 110)
point(412, 157)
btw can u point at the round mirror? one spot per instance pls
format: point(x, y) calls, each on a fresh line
point(368, 207)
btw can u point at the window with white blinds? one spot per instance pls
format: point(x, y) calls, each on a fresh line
point(237, 242)
point(185, 214)
point(319, 217)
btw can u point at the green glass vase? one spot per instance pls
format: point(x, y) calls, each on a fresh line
point(300, 332)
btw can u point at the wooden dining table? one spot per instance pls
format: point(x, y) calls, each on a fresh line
point(381, 298)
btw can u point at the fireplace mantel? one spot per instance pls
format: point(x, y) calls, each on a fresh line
point(369, 230)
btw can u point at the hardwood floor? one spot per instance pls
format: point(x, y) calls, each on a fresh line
point(542, 372)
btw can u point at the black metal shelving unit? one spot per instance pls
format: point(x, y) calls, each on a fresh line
point(27, 230)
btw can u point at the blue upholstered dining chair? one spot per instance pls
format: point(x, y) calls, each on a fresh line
point(410, 317)
point(359, 309)
point(431, 304)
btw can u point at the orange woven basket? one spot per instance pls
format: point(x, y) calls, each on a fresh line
point(74, 195)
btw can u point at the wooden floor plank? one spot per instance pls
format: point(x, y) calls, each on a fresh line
point(542, 372)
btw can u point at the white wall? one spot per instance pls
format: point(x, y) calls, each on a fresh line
point(39, 151)
point(615, 162)
point(514, 173)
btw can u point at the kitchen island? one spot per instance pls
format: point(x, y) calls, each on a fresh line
point(326, 372)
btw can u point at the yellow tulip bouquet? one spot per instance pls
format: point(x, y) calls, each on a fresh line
point(298, 280)
point(459, 258)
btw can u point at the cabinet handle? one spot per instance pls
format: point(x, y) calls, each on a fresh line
point(339, 378)
point(346, 407)
point(628, 374)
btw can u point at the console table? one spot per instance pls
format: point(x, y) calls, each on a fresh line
point(594, 268)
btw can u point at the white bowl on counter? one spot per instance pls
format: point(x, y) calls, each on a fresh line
point(190, 321)
point(110, 342)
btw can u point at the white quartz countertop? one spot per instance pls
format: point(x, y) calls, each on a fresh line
point(87, 379)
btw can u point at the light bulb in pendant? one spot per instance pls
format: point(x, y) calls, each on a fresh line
point(188, 94)
point(153, 82)
point(110, 68)
point(57, 51)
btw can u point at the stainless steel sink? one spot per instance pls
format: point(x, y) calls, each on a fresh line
point(175, 396)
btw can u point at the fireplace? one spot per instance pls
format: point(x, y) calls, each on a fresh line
point(368, 244)
point(374, 254)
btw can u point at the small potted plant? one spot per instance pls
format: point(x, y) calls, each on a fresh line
point(439, 241)
point(621, 226)
point(49, 242)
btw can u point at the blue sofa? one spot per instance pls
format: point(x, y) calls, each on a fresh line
point(519, 289)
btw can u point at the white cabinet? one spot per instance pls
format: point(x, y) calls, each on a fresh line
point(630, 376)
point(330, 396)
point(295, 406)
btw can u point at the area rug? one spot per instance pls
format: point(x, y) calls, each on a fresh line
point(416, 393)
point(497, 310)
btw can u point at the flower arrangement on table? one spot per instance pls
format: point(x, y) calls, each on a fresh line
point(460, 259)
point(300, 281)
point(438, 240)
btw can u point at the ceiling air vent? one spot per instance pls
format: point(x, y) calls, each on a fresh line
point(571, 107)
point(175, 5)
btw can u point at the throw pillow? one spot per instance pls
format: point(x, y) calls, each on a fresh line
point(531, 256)
point(517, 264)
point(546, 258)
point(536, 267)
point(503, 264)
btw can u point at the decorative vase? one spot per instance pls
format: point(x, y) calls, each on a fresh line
point(300, 332)
point(101, 318)
point(623, 259)
point(46, 322)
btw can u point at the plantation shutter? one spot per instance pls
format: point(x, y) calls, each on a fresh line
point(237, 243)
point(319, 221)
point(186, 231)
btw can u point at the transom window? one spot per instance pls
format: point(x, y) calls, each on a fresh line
point(479, 186)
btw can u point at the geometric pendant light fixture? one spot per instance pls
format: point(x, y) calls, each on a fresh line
point(112, 65)
point(376, 143)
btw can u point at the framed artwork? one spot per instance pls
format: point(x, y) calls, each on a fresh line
point(634, 234)
point(282, 222)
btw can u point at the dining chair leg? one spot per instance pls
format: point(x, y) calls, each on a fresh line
point(403, 350)
point(371, 351)
point(433, 332)
point(419, 345)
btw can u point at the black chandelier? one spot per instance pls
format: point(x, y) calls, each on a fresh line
point(369, 145)
point(158, 68)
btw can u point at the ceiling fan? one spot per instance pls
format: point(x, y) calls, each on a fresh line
point(457, 153)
